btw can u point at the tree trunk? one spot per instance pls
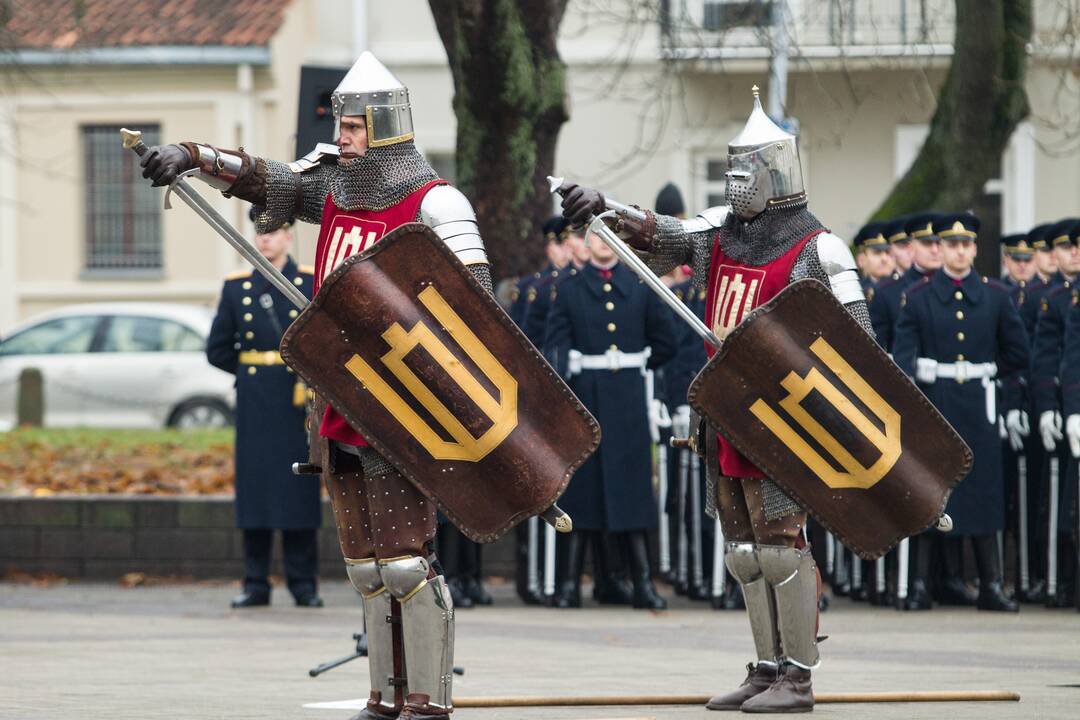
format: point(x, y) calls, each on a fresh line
point(980, 104)
point(510, 102)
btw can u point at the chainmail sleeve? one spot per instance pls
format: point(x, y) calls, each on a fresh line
point(293, 196)
point(673, 245)
point(482, 272)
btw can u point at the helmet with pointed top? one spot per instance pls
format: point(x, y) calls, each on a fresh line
point(371, 91)
point(763, 165)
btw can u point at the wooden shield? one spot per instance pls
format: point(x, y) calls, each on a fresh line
point(807, 396)
point(417, 356)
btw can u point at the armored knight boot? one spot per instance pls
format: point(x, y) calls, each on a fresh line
point(384, 642)
point(742, 561)
point(427, 628)
point(792, 576)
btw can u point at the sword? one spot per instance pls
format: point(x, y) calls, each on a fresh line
point(132, 140)
point(1021, 471)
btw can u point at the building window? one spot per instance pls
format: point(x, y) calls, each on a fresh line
point(123, 213)
point(712, 181)
point(723, 15)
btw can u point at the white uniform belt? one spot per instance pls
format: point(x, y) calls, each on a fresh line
point(928, 371)
point(611, 360)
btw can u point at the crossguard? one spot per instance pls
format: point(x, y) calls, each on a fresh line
point(172, 185)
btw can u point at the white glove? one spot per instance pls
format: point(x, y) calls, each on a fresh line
point(1002, 432)
point(658, 419)
point(1050, 429)
point(926, 370)
point(1072, 429)
point(680, 423)
point(1015, 422)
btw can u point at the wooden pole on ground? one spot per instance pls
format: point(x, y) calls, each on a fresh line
point(820, 698)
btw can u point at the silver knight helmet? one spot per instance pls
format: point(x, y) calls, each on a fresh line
point(370, 90)
point(763, 165)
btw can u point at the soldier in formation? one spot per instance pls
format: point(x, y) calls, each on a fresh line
point(373, 181)
point(270, 434)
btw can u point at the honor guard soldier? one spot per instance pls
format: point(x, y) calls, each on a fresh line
point(1047, 355)
point(769, 235)
point(604, 331)
point(1046, 265)
point(270, 434)
point(958, 333)
point(1022, 449)
point(1070, 391)
point(925, 252)
point(875, 261)
point(899, 243)
point(373, 181)
point(558, 257)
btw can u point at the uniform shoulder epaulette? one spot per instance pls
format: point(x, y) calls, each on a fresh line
point(917, 286)
point(306, 269)
point(888, 284)
point(239, 274)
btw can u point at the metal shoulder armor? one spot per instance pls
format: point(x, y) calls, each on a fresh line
point(839, 264)
point(323, 152)
point(450, 214)
point(709, 219)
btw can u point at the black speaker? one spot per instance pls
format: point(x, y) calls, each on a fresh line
point(315, 117)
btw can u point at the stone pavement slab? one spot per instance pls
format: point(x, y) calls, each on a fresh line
point(101, 651)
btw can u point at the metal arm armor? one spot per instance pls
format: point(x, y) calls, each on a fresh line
point(839, 264)
point(709, 219)
point(449, 213)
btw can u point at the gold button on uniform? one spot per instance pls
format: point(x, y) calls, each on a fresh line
point(607, 287)
point(293, 313)
point(247, 317)
point(249, 335)
point(611, 327)
point(251, 370)
point(960, 336)
point(960, 358)
point(298, 281)
point(613, 347)
point(958, 295)
point(246, 300)
point(609, 305)
point(246, 285)
point(959, 314)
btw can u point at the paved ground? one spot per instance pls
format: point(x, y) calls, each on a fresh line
point(100, 651)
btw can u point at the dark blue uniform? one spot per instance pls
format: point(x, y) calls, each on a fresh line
point(522, 295)
point(270, 434)
point(973, 321)
point(884, 305)
point(534, 323)
point(590, 314)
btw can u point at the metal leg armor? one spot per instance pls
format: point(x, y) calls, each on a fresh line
point(427, 620)
point(793, 578)
point(742, 561)
point(388, 686)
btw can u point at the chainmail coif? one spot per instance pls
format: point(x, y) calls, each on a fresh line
point(381, 177)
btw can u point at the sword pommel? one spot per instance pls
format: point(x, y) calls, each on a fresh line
point(558, 519)
point(555, 185)
point(132, 140)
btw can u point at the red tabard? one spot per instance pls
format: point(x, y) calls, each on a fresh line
point(341, 235)
point(736, 288)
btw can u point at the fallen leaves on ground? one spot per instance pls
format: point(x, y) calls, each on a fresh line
point(84, 462)
point(38, 579)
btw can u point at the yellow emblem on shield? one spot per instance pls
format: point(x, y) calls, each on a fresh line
point(502, 411)
point(854, 473)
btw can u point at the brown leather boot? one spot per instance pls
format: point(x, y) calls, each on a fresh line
point(758, 679)
point(369, 714)
point(790, 693)
point(418, 707)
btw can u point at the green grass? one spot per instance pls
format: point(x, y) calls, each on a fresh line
point(61, 438)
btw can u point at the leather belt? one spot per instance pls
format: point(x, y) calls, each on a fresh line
point(611, 360)
point(261, 357)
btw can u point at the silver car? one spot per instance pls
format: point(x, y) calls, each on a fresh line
point(128, 365)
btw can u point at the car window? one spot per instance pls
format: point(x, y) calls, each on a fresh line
point(148, 334)
point(53, 337)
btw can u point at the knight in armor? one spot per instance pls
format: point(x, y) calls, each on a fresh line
point(743, 255)
point(372, 181)
point(1047, 353)
point(959, 333)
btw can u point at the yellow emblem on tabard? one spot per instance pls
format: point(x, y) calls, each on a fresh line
point(854, 474)
point(502, 412)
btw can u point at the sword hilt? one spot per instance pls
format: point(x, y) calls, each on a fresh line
point(132, 140)
point(558, 519)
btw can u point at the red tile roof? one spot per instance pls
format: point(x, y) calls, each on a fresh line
point(64, 24)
